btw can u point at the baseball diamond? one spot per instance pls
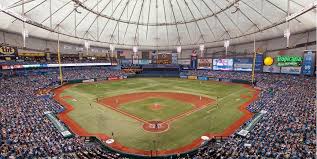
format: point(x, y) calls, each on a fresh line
point(188, 110)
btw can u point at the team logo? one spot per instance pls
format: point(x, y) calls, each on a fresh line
point(7, 50)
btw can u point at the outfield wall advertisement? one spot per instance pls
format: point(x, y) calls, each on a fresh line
point(309, 63)
point(223, 64)
point(272, 69)
point(259, 63)
point(291, 70)
point(243, 64)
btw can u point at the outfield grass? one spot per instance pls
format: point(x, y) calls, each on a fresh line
point(129, 132)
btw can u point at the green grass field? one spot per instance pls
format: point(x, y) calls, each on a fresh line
point(128, 131)
point(168, 109)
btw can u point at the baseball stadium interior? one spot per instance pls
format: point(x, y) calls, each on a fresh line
point(174, 79)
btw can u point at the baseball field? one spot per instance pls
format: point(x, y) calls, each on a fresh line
point(166, 115)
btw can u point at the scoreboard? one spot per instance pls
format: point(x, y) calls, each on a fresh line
point(164, 58)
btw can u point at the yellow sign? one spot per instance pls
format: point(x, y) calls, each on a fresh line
point(192, 77)
point(28, 54)
point(7, 50)
point(268, 61)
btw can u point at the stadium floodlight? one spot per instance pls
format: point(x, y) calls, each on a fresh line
point(112, 48)
point(202, 48)
point(135, 49)
point(87, 45)
point(287, 34)
point(179, 49)
point(226, 45)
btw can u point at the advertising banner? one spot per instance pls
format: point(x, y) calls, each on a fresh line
point(144, 62)
point(126, 61)
point(204, 63)
point(88, 81)
point(222, 64)
point(283, 61)
point(259, 63)
point(213, 79)
point(32, 54)
point(77, 64)
point(291, 70)
point(183, 77)
point(174, 58)
point(11, 67)
point(184, 62)
point(203, 78)
point(8, 51)
point(309, 63)
point(164, 58)
point(225, 80)
point(192, 77)
point(193, 61)
point(272, 69)
point(113, 78)
point(243, 64)
point(135, 59)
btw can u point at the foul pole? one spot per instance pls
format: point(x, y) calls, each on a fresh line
point(59, 60)
point(253, 65)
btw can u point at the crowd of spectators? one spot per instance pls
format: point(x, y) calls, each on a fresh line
point(287, 130)
point(25, 131)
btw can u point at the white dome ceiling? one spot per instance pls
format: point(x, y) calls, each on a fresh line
point(156, 24)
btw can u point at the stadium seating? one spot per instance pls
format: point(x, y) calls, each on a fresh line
point(286, 131)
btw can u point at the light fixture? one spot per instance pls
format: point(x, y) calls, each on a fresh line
point(179, 49)
point(135, 49)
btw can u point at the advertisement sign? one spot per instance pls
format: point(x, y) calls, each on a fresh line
point(88, 81)
point(113, 78)
point(222, 64)
point(183, 77)
point(309, 63)
point(193, 61)
point(28, 54)
point(174, 58)
point(243, 64)
point(272, 69)
point(291, 70)
point(192, 77)
point(8, 51)
point(203, 78)
point(6, 67)
point(204, 63)
point(77, 64)
point(184, 62)
point(164, 58)
point(213, 79)
point(258, 63)
point(283, 61)
point(135, 59)
point(126, 61)
point(144, 62)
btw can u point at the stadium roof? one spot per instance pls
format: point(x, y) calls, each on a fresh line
point(161, 24)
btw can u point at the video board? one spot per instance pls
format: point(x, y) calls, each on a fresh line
point(204, 63)
point(164, 58)
point(223, 64)
point(243, 64)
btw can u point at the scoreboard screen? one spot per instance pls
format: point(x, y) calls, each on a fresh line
point(164, 58)
point(223, 64)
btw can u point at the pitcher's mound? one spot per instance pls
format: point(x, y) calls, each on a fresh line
point(156, 107)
